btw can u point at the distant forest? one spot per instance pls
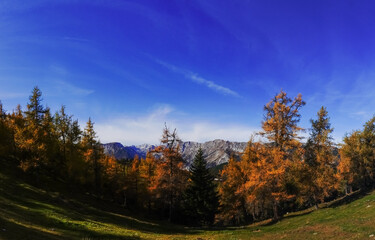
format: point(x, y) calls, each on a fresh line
point(273, 176)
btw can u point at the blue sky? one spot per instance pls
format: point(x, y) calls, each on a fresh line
point(204, 67)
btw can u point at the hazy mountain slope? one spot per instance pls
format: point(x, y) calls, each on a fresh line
point(126, 152)
point(216, 152)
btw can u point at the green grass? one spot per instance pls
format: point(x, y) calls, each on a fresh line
point(27, 212)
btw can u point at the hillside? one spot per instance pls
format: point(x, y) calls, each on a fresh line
point(28, 212)
point(216, 152)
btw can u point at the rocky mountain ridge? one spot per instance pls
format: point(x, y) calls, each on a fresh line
point(216, 152)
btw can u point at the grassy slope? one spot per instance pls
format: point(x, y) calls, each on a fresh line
point(27, 212)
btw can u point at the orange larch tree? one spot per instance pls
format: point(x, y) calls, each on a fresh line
point(147, 173)
point(29, 136)
point(232, 208)
point(170, 178)
point(280, 121)
point(283, 151)
point(133, 183)
point(92, 152)
point(6, 133)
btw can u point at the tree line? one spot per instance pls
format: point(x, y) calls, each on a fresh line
point(274, 175)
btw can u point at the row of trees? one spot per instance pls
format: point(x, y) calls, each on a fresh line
point(53, 147)
point(281, 174)
point(357, 164)
point(273, 176)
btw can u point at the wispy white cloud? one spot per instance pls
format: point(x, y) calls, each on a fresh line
point(134, 130)
point(355, 100)
point(12, 95)
point(68, 88)
point(212, 85)
point(198, 79)
point(57, 76)
point(362, 114)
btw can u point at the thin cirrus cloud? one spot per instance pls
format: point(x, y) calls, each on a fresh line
point(130, 130)
point(194, 77)
point(356, 101)
point(57, 81)
point(68, 88)
point(12, 95)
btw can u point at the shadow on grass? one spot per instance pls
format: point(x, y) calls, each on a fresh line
point(30, 213)
point(18, 222)
point(349, 198)
point(295, 214)
point(10, 230)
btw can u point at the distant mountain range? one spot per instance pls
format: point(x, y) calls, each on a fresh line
point(216, 152)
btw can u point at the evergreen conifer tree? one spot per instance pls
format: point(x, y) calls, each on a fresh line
point(201, 195)
point(320, 159)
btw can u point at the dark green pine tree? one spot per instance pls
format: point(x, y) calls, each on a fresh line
point(201, 197)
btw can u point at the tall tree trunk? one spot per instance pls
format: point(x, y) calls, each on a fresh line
point(170, 206)
point(253, 213)
point(124, 204)
point(149, 205)
point(275, 211)
point(315, 202)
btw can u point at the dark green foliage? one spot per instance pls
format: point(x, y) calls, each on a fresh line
point(50, 141)
point(35, 109)
point(201, 197)
point(6, 137)
point(63, 124)
point(357, 165)
point(68, 134)
point(215, 170)
point(320, 137)
point(368, 153)
point(320, 159)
